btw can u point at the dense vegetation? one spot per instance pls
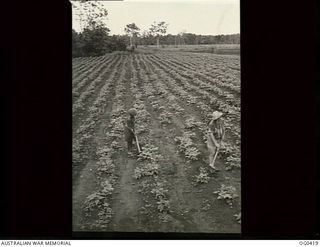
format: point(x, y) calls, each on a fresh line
point(96, 42)
point(190, 39)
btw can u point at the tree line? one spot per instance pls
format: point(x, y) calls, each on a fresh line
point(190, 39)
point(94, 38)
point(96, 42)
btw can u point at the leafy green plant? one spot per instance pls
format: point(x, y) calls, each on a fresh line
point(160, 194)
point(97, 199)
point(233, 161)
point(238, 217)
point(159, 191)
point(104, 216)
point(105, 165)
point(206, 205)
point(192, 153)
point(146, 169)
point(106, 187)
point(103, 151)
point(93, 200)
point(149, 153)
point(165, 118)
point(163, 205)
point(191, 123)
point(227, 193)
point(186, 146)
point(203, 177)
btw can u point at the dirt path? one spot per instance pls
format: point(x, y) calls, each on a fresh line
point(126, 200)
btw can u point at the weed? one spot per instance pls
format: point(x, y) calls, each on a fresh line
point(97, 199)
point(146, 169)
point(191, 123)
point(165, 118)
point(227, 193)
point(186, 146)
point(149, 153)
point(238, 217)
point(203, 177)
point(160, 194)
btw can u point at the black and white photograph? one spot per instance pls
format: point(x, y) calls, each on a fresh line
point(156, 116)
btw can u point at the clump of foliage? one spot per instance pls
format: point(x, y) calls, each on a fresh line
point(238, 217)
point(191, 123)
point(165, 118)
point(163, 205)
point(105, 165)
point(227, 193)
point(149, 153)
point(93, 39)
point(233, 161)
point(96, 42)
point(186, 146)
point(105, 162)
point(146, 169)
point(148, 159)
point(206, 205)
point(160, 194)
point(98, 199)
point(203, 177)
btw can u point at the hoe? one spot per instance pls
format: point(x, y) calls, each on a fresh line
point(137, 142)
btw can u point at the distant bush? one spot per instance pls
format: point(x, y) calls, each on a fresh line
point(95, 42)
point(116, 43)
point(76, 44)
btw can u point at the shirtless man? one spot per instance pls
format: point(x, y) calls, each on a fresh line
point(129, 128)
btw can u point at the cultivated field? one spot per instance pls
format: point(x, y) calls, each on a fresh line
point(169, 186)
point(231, 49)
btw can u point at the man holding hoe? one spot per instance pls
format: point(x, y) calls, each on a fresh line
point(129, 132)
point(215, 136)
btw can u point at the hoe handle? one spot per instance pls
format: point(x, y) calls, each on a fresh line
point(138, 146)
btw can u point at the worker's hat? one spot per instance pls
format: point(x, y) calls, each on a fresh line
point(216, 114)
point(132, 112)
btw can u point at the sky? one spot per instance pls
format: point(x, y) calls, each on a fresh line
point(207, 17)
